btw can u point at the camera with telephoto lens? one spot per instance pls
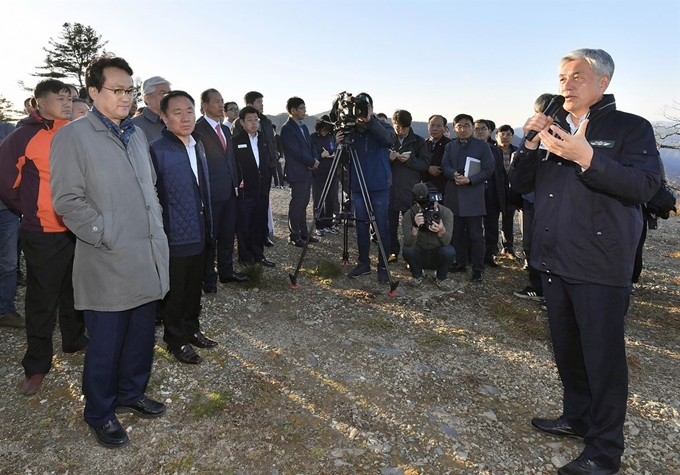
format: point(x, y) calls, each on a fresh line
point(430, 214)
point(346, 110)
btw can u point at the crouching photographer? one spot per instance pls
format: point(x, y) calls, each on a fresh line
point(427, 230)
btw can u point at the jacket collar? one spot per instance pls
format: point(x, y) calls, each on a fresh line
point(601, 108)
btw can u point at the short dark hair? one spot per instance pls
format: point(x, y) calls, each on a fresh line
point(491, 124)
point(505, 128)
point(227, 104)
point(251, 97)
point(205, 95)
point(460, 117)
point(274, 127)
point(437, 115)
point(293, 103)
point(94, 74)
point(78, 100)
point(402, 118)
point(247, 110)
point(381, 115)
point(49, 85)
point(166, 99)
point(485, 122)
point(542, 101)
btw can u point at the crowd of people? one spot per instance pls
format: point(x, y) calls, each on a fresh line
point(127, 216)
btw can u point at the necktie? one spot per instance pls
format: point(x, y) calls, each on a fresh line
point(218, 129)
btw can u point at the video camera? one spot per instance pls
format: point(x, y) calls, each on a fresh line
point(430, 214)
point(345, 112)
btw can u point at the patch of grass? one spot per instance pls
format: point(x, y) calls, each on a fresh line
point(675, 255)
point(379, 323)
point(519, 319)
point(326, 269)
point(317, 453)
point(255, 275)
point(180, 464)
point(210, 403)
point(432, 339)
point(163, 353)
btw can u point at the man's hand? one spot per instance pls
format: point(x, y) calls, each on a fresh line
point(461, 179)
point(404, 158)
point(339, 137)
point(438, 228)
point(325, 154)
point(393, 155)
point(418, 220)
point(574, 148)
point(538, 122)
point(434, 171)
point(315, 166)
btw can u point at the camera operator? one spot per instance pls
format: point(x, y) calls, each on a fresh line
point(372, 142)
point(427, 230)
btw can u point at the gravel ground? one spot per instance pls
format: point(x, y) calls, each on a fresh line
point(339, 377)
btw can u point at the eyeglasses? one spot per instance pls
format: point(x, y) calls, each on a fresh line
point(462, 126)
point(231, 109)
point(121, 92)
point(481, 129)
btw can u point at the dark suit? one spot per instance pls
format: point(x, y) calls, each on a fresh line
point(223, 183)
point(494, 196)
point(436, 155)
point(297, 146)
point(253, 200)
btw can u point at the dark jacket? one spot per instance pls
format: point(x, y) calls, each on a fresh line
point(466, 200)
point(321, 143)
point(267, 131)
point(373, 150)
point(297, 147)
point(150, 123)
point(221, 164)
point(587, 223)
point(406, 174)
point(187, 214)
point(255, 180)
point(497, 186)
point(436, 155)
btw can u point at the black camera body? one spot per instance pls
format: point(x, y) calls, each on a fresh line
point(430, 214)
point(345, 112)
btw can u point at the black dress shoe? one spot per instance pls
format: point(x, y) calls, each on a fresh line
point(457, 268)
point(585, 466)
point(185, 354)
point(210, 288)
point(111, 435)
point(297, 242)
point(477, 276)
point(558, 427)
point(268, 242)
point(267, 263)
point(200, 340)
point(234, 277)
point(311, 239)
point(145, 408)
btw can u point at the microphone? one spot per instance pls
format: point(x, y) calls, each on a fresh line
point(550, 110)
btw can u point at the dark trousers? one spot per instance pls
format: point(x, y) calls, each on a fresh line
point(278, 174)
point(49, 285)
point(393, 226)
point(297, 209)
point(182, 304)
point(507, 227)
point(637, 265)
point(118, 361)
point(253, 227)
point(491, 231)
point(224, 225)
point(527, 226)
point(586, 327)
point(439, 258)
point(468, 232)
point(325, 219)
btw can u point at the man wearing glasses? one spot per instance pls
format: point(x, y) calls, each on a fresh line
point(467, 164)
point(103, 186)
point(230, 115)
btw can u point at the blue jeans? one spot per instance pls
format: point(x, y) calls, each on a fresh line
point(380, 201)
point(9, 237)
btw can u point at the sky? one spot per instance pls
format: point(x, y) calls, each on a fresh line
point(488, 59)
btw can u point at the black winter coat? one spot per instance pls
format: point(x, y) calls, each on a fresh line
point(408, 173)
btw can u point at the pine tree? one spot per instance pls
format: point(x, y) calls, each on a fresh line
point(7, 111)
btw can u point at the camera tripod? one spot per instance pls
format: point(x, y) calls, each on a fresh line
point(346, 216)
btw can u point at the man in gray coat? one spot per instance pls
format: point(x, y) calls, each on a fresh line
point(149, 120)
point(102, 183)
point(467, 164)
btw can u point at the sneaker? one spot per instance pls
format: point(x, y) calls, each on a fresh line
point(416, 281)
point(333, 230)
point(12, 319)
point(444, 285)
point(528, 293)
point(361, 269)
point(392, 258)
point(477, 276)
point(320, 232)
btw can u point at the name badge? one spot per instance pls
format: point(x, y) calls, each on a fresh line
point(602, 143)
point(242, 145)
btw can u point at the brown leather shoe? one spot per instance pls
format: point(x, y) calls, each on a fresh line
point(32, 384)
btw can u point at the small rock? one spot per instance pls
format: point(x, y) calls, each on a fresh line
point(490, 415)
point(558, 461)
point(391, 471)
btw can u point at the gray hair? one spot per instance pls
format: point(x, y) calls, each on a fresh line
point(598, 59)
point(149, 86)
